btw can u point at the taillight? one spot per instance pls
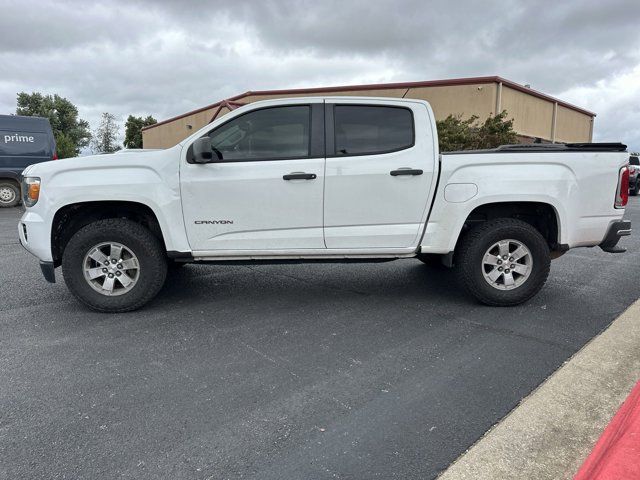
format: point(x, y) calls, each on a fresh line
point(622, 194)
point(55, 156)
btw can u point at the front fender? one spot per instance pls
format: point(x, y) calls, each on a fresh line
point(137, 184)
point(148, 178)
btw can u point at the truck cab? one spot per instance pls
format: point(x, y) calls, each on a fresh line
point(276, 157)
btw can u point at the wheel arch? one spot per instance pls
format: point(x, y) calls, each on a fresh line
point(10, 179)
point(544, 217)
point(72, 217)
point(13, 175)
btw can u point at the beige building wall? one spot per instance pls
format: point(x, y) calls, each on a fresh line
point(572, 126)
point(532, 116)
point(464, 100)
point(171, 133)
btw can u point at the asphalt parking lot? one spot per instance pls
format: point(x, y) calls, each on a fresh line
point(354, 371)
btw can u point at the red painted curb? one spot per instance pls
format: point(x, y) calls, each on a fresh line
point(616, 455)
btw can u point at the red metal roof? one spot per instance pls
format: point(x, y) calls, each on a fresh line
point(379, 86)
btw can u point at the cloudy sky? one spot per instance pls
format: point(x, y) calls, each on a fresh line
point(166, 57)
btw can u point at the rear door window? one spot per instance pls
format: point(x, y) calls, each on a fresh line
point(371, 130)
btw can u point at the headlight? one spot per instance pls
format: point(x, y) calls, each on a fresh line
point(30, 191)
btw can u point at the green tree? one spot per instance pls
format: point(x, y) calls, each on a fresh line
point(495, 131)
point(105, 138)
point(71, 133)
point(133, 130)
point(457, 134)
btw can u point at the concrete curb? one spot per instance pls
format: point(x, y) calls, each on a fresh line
point(552, 431)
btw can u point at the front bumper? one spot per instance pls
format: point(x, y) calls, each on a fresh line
point(33, 232)
point(617, 230)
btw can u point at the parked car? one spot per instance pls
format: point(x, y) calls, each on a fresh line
point(335, 179)
point(634, 175)
point(23, 141)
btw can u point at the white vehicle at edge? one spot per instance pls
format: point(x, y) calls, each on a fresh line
point(315, 179)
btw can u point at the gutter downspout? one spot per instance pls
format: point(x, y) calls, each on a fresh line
point(553, 122)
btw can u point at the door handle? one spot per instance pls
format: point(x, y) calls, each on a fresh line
point(406, 171)
point(299, 176)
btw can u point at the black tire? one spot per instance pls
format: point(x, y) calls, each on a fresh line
point(9, 194)
point(431, 260)
point(146, 247)
point(634, 191)
point(473, 246)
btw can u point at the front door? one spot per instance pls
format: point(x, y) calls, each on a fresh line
point(381, 162)
point(263, 190)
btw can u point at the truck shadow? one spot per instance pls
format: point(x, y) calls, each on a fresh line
point(404, 283)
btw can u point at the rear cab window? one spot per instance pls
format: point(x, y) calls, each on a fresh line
point(372, 129)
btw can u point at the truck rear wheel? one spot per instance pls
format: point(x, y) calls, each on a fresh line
point(114, 265)
point(9, 194)
point(503, 262)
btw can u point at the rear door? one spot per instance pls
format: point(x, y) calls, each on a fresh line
point(380, 170)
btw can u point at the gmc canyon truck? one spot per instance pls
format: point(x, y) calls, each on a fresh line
point(333, 179)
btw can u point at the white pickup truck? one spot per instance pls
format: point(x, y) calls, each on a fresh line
point(321, 179)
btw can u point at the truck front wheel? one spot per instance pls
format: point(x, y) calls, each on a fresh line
point(503, 262)
point(114, 265)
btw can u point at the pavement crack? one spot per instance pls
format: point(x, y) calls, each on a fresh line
point(270, 359)
point(506, 331)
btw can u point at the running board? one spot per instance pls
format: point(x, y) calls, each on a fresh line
point(287, 259)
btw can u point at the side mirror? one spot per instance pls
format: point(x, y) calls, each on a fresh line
point(202, 152)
